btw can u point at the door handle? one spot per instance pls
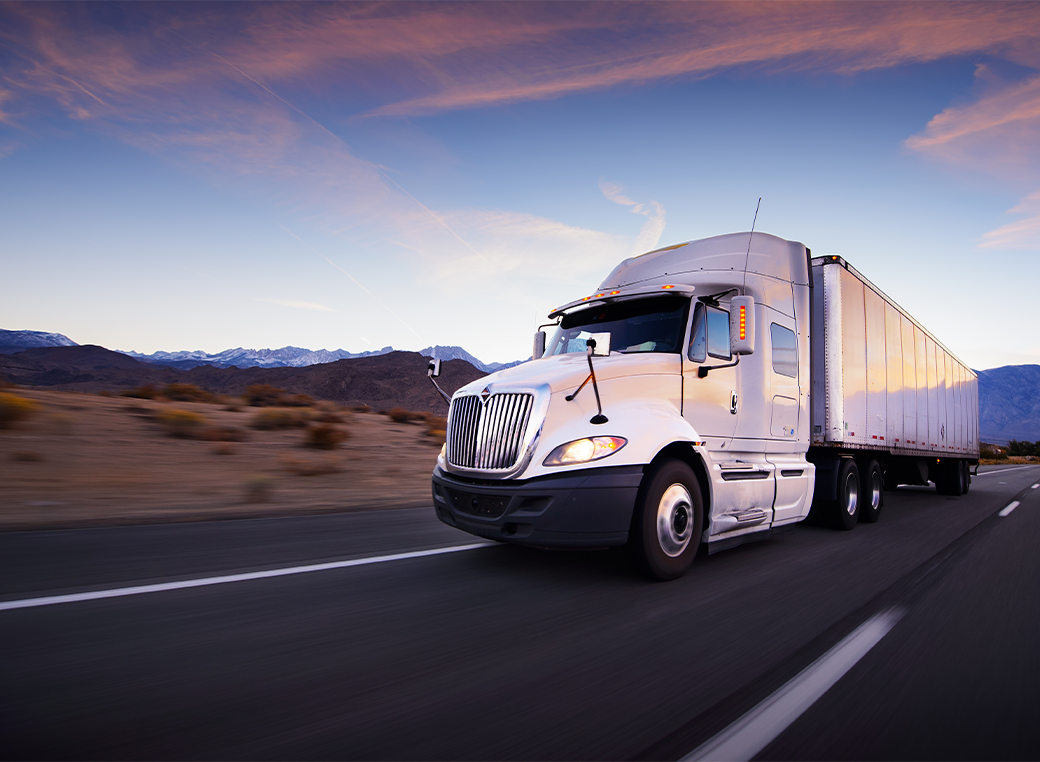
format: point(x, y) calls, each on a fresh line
point(733, 402)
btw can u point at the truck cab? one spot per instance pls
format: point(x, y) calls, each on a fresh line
point(668, 409)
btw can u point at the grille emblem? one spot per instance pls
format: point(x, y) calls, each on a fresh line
point(485, 394)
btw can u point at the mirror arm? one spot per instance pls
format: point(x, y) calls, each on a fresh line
point(440, 391)
point(702, 371)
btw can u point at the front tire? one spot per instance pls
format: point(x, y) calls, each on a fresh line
point(668, 521)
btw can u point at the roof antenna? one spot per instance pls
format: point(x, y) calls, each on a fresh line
point(748, 255)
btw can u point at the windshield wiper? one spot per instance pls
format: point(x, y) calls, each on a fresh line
point(599, 417)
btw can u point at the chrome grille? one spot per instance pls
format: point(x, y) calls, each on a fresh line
point(488, 436)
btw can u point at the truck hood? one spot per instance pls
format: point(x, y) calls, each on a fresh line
point(566, 372)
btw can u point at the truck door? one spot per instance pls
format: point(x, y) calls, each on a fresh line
point(711, 403)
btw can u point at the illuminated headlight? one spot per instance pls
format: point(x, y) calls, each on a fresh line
point(584, 450)
point(442, 455)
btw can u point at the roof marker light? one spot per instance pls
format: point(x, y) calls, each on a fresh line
point(667, 287)
point(613, 293)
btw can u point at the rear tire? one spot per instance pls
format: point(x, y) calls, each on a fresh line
point(845, 511)
point(965, 476)
point(873, 495)
point(668, 521)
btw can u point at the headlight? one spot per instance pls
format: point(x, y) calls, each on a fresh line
point(584, 450)
point(441, 458)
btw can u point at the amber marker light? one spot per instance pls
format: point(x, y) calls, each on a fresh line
point(667, 287)
point(613, 293)
point(743, 322)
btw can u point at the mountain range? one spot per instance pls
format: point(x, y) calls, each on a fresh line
point(1009, 397)
point(286, 357)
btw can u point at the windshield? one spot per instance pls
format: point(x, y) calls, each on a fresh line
point(656, 324)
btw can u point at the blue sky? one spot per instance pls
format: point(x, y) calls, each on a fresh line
point(359, 175)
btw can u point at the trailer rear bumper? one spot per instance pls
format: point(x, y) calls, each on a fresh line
point(587, 508)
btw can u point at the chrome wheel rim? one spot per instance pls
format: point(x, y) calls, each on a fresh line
point(851, 495)
point(674, 520)
point(875, 490)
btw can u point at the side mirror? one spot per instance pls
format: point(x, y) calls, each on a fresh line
point(539, 345)
point(742, 325)
point(600, 343)
point(433, 370)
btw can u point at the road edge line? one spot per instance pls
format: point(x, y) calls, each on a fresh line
point(119, 592)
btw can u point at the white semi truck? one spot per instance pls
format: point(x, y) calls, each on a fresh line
point(711, 392)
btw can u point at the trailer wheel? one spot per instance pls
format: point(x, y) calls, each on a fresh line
point(668, 521)
point(965, 476)
point(846, 509)
point(873, 496)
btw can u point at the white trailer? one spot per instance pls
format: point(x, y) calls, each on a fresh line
point(711, 392)
point(885, 392)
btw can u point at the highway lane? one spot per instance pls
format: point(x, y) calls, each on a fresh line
point(494, 653)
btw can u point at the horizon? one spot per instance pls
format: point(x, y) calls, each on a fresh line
point(366, 175)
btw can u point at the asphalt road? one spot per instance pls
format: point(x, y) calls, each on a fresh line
point(509, 653)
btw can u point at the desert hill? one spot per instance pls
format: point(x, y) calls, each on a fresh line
point(395, 379)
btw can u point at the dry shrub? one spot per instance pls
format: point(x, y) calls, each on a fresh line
point(325, 436)
point(436, 427)
point(145, 392)
point(270, 420)
point(221, 434)
point(258, 488)
point(188, 393)
point(329, 416)
point(301, 467)
point(263, 395)
point(224, 448)
point(14, 409)
point(400, 415)
point(26, 456)
point(106, 393)
point(183, 424)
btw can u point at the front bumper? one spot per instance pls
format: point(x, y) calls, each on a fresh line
point(587, 508)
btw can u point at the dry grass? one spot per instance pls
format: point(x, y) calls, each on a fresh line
point(107, 460)
point(14, 409)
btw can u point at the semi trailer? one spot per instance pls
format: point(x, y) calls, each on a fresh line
point(708, 393)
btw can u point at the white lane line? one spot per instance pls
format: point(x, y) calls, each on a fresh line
point(119, 592)
point(1035, 486)
point(1011, 507)
point(759, 727)
point(1002, 470)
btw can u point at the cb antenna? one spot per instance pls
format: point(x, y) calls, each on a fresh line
point(747, 257)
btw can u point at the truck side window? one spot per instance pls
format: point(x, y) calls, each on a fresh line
point(698, 337)
point(785, 354)
point(718, 333)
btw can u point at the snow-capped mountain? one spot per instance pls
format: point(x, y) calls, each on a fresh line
point(16, 341)
point(294, 357)
point(458, 353)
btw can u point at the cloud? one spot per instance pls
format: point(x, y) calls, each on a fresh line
point(1023, 234)
point(650, 233)
point(999, 133)
point(299, 305)
point(225, 92)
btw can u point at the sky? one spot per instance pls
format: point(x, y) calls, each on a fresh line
point(357, 175)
